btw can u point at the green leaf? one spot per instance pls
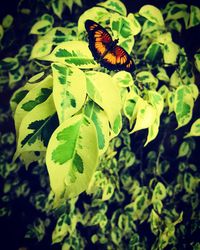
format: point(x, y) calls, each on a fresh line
point(170, 52)
point(36, 127)
point(152, 13)
point(176, 11)
point(9, 63)
point(114, 5)
point(108, 191)
point(122, 29)
point(15, 76)
point(195, 129)
point(123, 79)
point(98, 116)
point(184, 150)
point(190, 183)
point(72, 156)
point(102, 90)
point(130, 107)
point(155, 222)
point(183, 105)
point(59, 34)
point(154, 53)
point(69, 90)
point(170, 101)
point(7, 21)
point(23, 91)
point(162, 75)
point(96, 13)
point(73, 53)
point(194, 16)
point(1, 32)
point(175, 79)
point(31, 100)
point(175, 25)
point(197, 61)
point(41, 48)
point(147, 79)
point(41, 27)
point(66, 225)
point(146, 115)
point(58, 7)
point(156, 100)
point(135, 25)
point(159, 192)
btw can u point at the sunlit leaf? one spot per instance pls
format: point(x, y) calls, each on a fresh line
point(123, 79)
point(37, 94)
point(152, 13)
point(72, 156)
point(74, 53)
point(103, 90)
point(147, 79)
point(36, 127)
point(170, 52)
point(98, 116)
point(146, 115)
point(114, 5)
point(41, 48)
point(69, 90)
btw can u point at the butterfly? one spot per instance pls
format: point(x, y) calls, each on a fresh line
point(105, 50)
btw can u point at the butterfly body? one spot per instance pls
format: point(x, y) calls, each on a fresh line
point(105, 50)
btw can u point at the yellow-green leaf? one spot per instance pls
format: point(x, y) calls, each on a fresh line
point(123, 79)
point(37, 94)
point(41, 48)
point(170, 52)
point(100, 119)
point(41, 27)
point(152, 13)
point(176, 11)
point(159, 192)
point(96, 13)
point(1, 32)
point(194, 16)
point(136, 27)
point(146, 115)
point(184, 149)
point(195, 129)
point(74, 53)
point(147, 79)
point(190, 183)
point(7, 21)
point(114, 5)
point(36, 127)
point(183, 105)
point(72, 157)
point(197, 61)
point(69, 90)
point(102, 89)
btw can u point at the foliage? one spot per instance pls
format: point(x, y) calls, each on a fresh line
point(120, 168)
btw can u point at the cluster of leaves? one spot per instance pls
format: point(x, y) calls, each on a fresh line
point(77, 118)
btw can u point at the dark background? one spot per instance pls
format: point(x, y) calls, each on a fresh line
point(12, 229)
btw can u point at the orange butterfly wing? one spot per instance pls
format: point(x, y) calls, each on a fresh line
point(105, 50)
point(99, 39)
point(118, 59)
